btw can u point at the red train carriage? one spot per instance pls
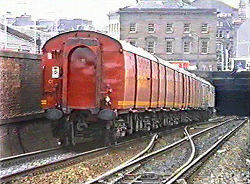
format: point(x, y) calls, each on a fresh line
point(91, 81)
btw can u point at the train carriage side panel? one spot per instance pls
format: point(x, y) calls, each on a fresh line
point(170, 88)
point(202, 95)
point(162, 85)
point(206, 95)
point(154, 84)
point(181, 102)
point(129, 81)
point(143, 87)
point(113, 79)
point(193, 92)
point(197, 91)
point(199, 94)
point(189, 91)
point(185, 92)
point(177, 89)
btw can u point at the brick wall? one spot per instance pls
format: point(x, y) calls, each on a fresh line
point(20, 79)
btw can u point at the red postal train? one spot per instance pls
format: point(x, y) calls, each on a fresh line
point(93, 82)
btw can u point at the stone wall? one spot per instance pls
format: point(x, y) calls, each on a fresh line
point(20, 85)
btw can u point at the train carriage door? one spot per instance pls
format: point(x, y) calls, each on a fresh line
point(82, 78)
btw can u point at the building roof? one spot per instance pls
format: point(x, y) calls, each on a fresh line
point(72, 24)
point(219, 5)
point(169, 4)
point(16, 33)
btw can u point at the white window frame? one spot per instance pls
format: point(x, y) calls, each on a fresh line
point(132, 28)
point(151, 28)
point(207, 47)
point(172, 46)
point(188, 47)
point(189, 28)
point(169, 28)
point(149, 47)
point(205, 25)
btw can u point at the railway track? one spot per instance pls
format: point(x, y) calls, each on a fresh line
point(20, 162)
point(126, 172)
point(37, 162)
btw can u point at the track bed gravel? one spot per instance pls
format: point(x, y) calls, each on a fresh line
point(230, 164)
point(96, 165)
point(166, 163)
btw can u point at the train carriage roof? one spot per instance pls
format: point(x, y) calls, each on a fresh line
point(141, 52)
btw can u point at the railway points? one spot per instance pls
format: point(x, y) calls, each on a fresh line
point(45, 170)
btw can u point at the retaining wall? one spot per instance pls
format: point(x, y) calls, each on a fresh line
point(20, 86)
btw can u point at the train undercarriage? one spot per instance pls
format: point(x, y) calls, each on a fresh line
point(81, 126)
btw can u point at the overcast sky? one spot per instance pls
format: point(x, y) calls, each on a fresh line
point(95, 10)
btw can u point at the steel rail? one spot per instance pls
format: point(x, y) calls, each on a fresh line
point(116, 169)
point(28, 154)
point(189, 160)
point(199, 158)
point(123, 166)
point(52, 149)
point(51, 163)
point(82, 154)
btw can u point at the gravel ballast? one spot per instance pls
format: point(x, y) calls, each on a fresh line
point(95, 166)
point(230, 164)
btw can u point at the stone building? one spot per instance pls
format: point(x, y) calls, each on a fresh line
point(243, 37)
point(12, 39)
point(171, 29)
point(228, 23)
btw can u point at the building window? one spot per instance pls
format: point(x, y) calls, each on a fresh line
point(112, 27)
point(187, 28)
point(169, 28)
point(186, 47)
point(132, 28)
point(204, 28)
point(151, 28)
point(133, 43)
point(220, 34)
point(151, 46)
point(169, 47)
point(204, 47)
point(117, 27)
